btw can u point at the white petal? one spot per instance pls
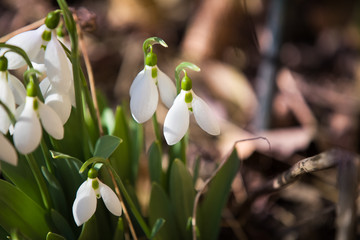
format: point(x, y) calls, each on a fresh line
point(110, 199)
point(51, 121)
point(144, 98)
point(27, 131)
point(45, 86)
point(17, 89)
point(7, 98)
point(167, 89)
point(83, 187)
point(56, 63)
point(204, 116)
point(29, 41)
point(40, 66)
point(7, 151)
point(177, 120)
point(84, 205)
point(137, 80)
point(61, 104)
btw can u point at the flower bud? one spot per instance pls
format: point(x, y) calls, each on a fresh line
point(3, 64)
point(52, 19)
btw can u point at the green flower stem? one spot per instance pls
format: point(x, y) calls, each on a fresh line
point(47, 156)
point(156, 128)
point(151, 41)
point(9, 113)
point(75, 60)
point(129, 201)
point(39, 180)
point(18, 51)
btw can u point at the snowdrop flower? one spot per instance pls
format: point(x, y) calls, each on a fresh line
point(85, 202)
point(12, 92)
point(144, 90)
point(7, 151)
point(27, 129)
point(177, 119)
point(58, 100)
point(43, 47)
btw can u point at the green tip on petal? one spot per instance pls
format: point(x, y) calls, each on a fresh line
point(3, 63)
point(188, 97)
point(31, 89)
point(52, 19)
point(46, 36)
point(186, 83)
point(95, 184)
point(151, 59)
point(93, 173)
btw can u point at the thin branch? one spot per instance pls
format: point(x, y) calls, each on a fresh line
point(90, 73)
point(23, 29)
point(200, 192)
point(127, 216)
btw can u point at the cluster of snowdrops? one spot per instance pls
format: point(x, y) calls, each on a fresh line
point(29, 106)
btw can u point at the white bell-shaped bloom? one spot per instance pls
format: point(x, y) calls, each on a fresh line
point(48, 52)
point(85, 202)
point(177, 119)
point(6, 98)
point(57, 99)
point(144, 94)
point(28, 131)
point(29, 41)
point(7, 151)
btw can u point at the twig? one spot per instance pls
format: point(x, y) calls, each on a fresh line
point(346, 209)
point(89, 72)
point(197, 197)
point(23, 29)
point(315, 163)
point(132, 230)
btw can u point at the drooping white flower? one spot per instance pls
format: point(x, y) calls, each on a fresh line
point(177, 119)
point(43, 47)
point(7, 151)
point(144, 94)
point(86, 199)
point(57, 99)
point(28, 131)
point(12, 92)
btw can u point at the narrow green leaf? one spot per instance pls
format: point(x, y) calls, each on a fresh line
point(121, 158)
point(57, 155)
point(119, 231)
point(54, 236)
point(23, 178)
point(90, 230)
point(61, 224)
point(108, 120)
point(215, 198)
point(17, 209)
point(160, 207)
point(155, 166)
point(182, 195)
point(157, 226)
point(106, 145)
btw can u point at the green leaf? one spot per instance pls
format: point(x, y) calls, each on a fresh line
point(182, 195)
point(17, 209)
point(106, 145)
point(23, 178)
point(119, 231)
point(57, 155)
point(108, 120)
point(155, 166)
point(160, 207)
point(121, 158)
point(157, 226)
point(215, 198)
point(54, 236)
point(61, 224)
point(90, 230)
point(56, 191)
